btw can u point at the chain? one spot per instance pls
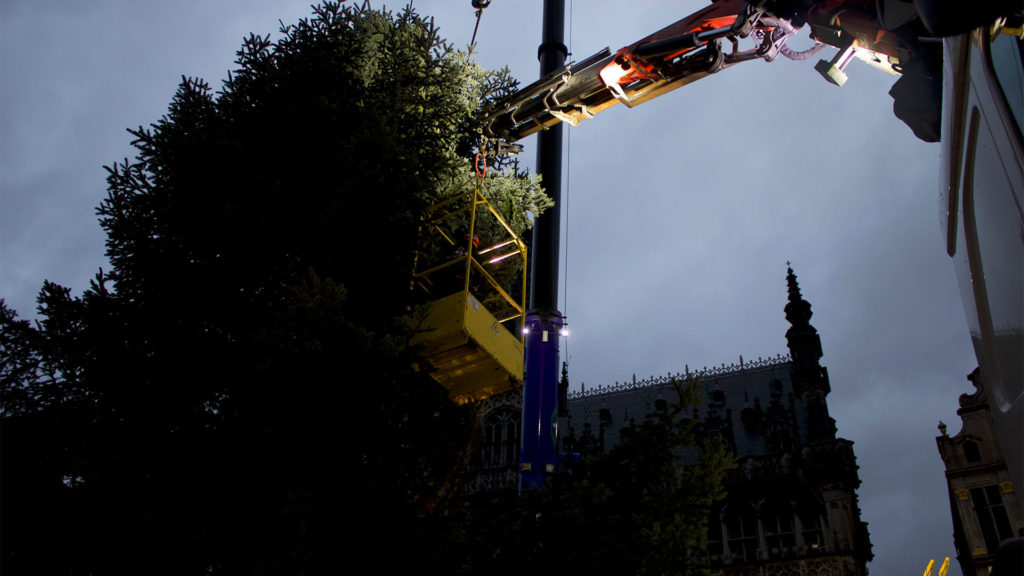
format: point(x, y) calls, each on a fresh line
point(479, 5)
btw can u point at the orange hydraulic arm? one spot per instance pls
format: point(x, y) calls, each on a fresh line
point(693, 48)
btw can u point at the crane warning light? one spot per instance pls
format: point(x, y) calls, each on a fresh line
point(611, 75)
point(496, 246)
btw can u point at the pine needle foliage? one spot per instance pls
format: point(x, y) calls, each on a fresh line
point(235, 394)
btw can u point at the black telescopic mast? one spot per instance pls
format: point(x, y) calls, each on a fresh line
point(543, 321)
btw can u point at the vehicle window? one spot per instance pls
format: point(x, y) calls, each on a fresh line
point(1007, 61)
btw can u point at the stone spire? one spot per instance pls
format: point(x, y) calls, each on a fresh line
point(802, 338)
point(810, 379)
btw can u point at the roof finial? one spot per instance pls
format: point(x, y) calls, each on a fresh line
point(798, 311)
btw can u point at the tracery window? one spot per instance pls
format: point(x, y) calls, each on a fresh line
point(779, 529)
point(810, 522)
point(501, 439)
point(741, 527)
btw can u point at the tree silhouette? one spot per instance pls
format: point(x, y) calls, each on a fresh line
point(236, 394)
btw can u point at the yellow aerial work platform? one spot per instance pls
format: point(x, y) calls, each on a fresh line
point(470, 332)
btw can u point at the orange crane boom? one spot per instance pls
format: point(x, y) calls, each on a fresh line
point(697, 46)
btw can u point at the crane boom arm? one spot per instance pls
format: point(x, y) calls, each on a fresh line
point(684, 52)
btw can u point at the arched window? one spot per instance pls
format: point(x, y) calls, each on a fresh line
point(971, 451)
point(501, 439)
point(779, 531)
point(741, 527)
point(810, 522)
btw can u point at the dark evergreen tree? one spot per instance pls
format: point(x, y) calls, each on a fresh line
point(235, 396)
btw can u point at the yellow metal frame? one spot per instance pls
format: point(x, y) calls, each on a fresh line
point(473, 353)
point(437, 214)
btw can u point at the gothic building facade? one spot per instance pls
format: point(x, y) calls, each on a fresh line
point(792, 504)
point(982, 497)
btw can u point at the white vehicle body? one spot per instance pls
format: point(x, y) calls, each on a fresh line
point(981, 212)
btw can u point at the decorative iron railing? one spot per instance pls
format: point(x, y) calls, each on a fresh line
point(686, 374)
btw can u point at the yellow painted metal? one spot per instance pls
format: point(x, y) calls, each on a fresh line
point(472, 353)
point(443, 235)
point(469, 239)
point(498, 288)
point(440, 267)
point(942, 570)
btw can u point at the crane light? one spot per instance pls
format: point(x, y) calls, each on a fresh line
point(610, 75)
point(495, 247)
point(502, 257)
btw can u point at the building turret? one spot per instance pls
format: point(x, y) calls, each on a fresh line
point(810, 379)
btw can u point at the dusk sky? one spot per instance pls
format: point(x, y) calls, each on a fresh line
point(682, 213)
